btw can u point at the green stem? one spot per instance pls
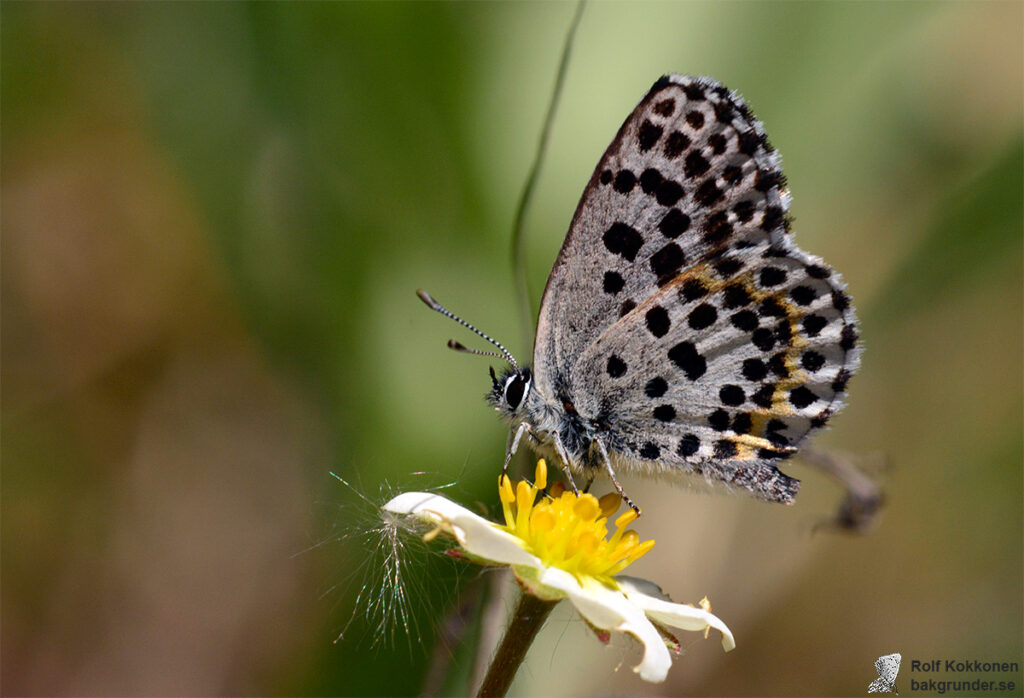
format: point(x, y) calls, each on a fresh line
point(518, 237)
point(528, 618)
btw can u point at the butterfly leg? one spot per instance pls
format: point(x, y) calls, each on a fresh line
point(611, 474)
point(560, 449)
point(512, 445)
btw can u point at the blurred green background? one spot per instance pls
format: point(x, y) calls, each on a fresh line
point(214, 218)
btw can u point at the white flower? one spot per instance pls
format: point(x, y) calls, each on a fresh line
point(558, 548)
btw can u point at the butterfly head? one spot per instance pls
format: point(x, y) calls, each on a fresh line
point(509, 393)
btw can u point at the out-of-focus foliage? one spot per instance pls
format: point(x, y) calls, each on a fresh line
point(214, 217)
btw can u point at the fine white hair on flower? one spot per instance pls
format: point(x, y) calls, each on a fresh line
point(385, 571)
point(558, 549)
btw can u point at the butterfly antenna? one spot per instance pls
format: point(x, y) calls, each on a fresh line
point(434, 305)
point(459, 346)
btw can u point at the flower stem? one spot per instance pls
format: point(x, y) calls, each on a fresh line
point(529, 616)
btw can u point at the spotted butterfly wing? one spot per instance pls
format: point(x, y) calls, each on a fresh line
point(680, 323)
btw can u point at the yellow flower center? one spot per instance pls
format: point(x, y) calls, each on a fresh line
point(569, 531)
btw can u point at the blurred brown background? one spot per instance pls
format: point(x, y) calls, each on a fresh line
point(214, 217)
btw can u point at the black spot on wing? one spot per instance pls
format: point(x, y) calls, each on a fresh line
point(668, 193)
point(616, 367)
point(719, 420)
point(656, 387)
point(664, 413)
point(732, 395)
point(693, 289)
point(688, 445)
point(657, 321)
point(648, 136)
point(625, 181)
point(650, 451)
point(744, 320)
point(695, 165)
point(613, 282)
point(674, 224)
point(702, 317)
point(650, 179)
point(667, 262)
point(725, 449)
point(802, 397)
point(623, 240)
point(676, 144)
point(689, 360)
point(814, 324)
point(665, 107)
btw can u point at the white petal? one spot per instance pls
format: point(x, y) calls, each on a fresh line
point(609, 609)
point(658, 607)
point(475, 534)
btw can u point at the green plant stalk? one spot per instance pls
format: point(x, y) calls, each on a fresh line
point(519, 274)
point(527, 620)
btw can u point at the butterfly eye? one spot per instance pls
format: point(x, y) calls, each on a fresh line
point(515, 388)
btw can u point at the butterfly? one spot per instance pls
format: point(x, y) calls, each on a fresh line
point(681, 329)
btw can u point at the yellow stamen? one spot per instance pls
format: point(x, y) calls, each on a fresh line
point(505, 489)
point(587, 507)
point(507, 497)
point(610, 504)
point(626, 519)
point(542, 521)
point(570, 531)
point(524, 501)
point(541, 477)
